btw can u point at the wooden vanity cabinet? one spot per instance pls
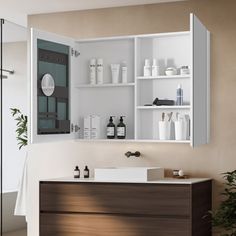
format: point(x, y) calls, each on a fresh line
point(124, 209)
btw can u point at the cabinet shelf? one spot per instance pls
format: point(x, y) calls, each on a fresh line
point(104, 85)
point(162, 107)
point(163, 77)
point(134, 140)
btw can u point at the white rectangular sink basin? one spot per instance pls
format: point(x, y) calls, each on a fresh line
point(128, 174)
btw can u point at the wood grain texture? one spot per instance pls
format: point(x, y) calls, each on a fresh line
point(110, 225)
point(201, 204)
point(161, 200)
point(108, 209)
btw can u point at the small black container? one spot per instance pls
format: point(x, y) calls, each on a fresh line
point(121, 129)
point(111, 129)
point(76, 172)
point(86, 172)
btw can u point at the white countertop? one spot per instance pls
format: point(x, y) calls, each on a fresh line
point(163, 181)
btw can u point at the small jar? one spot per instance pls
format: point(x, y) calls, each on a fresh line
point(170, 71)
point(175, 173)
point(184, 70)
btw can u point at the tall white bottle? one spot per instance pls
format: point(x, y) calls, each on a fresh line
point(147, 68)
point(154, 68)
point(92, 71)
point(124, 72)
point(87, 127)
point(100, 71)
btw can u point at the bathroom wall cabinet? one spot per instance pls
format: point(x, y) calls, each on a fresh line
point(170, 49)
point(127, 209)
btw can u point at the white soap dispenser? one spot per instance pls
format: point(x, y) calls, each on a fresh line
point(147, 68)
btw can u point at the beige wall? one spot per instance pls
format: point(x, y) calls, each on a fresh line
point(206, 161)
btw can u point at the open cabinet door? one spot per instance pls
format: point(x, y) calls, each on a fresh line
point(200, 39)
point(53, 71)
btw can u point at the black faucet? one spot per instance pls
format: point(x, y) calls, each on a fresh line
point(136, 154)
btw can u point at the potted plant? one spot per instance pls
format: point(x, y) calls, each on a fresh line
point(21, 130)
point(225, 216)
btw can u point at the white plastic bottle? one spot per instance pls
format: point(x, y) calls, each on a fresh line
point(87, 127)
point(154, 68)
point(147, 68)
point(100, 71)
point(92, 71)
point(95, 127)
point(124, 72)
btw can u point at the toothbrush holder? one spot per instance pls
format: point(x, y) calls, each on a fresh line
point(180, 130)
point(165, 130)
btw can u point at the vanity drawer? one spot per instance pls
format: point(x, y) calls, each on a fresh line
point(111, 225)
point(143, 199)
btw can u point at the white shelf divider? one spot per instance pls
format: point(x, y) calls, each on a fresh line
point(163, 77)
point(163, 107)
point(104, 85)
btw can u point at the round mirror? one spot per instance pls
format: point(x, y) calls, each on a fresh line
point(48, 85)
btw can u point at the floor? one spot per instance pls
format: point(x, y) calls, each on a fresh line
point(22, 232)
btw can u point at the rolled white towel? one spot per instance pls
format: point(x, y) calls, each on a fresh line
point(21, 200)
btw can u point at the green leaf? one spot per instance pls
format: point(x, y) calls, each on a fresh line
point(225, 216)
point(21, 124)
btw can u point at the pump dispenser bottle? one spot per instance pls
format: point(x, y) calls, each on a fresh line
point(111, 129)
point(76, 172)
point(121, 129)
point(86, 172)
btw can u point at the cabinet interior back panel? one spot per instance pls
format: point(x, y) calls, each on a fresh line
point(145, 92)
point(170, 51)
point(148, 90)
point(166, 89)
point(112, 52)
point(145, 122)
point(114, 101)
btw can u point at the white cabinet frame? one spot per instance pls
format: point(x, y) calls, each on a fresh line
point(196, 45)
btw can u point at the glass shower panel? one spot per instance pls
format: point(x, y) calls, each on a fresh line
point(1, 169)
point(14, 96)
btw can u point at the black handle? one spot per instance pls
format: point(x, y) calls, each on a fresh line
point(136, 154)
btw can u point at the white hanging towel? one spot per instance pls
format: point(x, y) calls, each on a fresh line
point(21, 200)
